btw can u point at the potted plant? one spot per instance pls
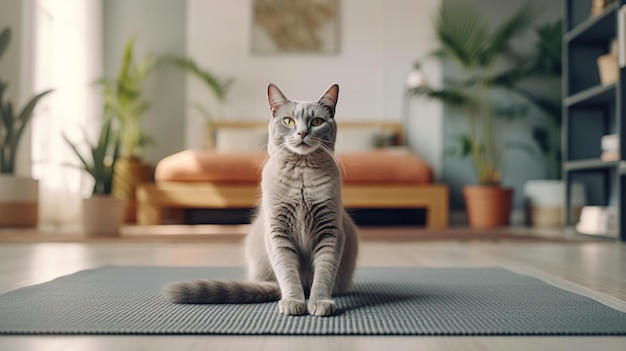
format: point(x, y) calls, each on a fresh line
point(219, 87)
point(103, 211)
point(480, 53)
point(18, 195)
point(123, 103)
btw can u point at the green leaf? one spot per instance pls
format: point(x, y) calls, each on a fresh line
point(449, 95)
point(98, 167)
point(540, 135)
point(218, 86)
point(515, 25)
point(461, 34)
point(76, 151)
point(27, 113)
point(548, 58)
point(100, 151)
point(6, 113)
point(466, 145)
point(550, 106)
point(14, 127)
point(127, 61)
point(203, 111)
point(110, 171)
point(5, 39)
point(511, 112)
point(462, 148)
point(467, 40)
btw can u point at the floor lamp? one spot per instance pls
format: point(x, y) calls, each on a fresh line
point(415, 79)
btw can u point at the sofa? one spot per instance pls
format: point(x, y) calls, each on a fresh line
point(378, 172)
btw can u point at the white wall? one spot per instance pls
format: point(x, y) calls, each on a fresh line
point(14, 68)
point(379, 41)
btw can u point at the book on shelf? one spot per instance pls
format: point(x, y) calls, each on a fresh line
point(610, 142)
point(609, 156)
point(610, 147)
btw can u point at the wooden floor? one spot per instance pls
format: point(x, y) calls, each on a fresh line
point(596, 268)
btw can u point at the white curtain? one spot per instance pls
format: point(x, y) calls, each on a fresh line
point(67, 56)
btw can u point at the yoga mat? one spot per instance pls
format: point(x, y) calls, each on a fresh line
point(386, 301)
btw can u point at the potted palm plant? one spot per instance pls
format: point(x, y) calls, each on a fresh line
point(480, 54)
point(103, 211)
point(18, 195)
point(124, 104)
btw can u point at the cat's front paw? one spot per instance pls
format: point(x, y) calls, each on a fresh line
point(322, 308)
point(292, 307)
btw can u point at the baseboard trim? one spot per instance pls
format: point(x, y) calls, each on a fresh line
point(459, 218)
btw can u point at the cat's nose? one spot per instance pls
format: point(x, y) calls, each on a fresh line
point(303, 134)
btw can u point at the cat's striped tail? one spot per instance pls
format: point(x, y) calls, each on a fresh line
point(222, 291)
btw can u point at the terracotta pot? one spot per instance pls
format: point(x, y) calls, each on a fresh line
point(18, 201)
point(487, 206)
point(128, 174)
point(102, 215)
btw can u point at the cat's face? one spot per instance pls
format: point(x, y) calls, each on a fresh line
point(302, 127)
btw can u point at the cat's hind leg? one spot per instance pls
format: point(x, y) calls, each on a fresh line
point(347, 265)
point(259, 267)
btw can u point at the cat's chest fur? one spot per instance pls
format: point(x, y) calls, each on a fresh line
point(304, 181)
point(298, 194)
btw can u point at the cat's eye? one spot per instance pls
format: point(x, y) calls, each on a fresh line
point(316, 122)
point(288, 121)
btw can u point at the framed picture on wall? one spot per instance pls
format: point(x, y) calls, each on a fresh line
point(303, 26)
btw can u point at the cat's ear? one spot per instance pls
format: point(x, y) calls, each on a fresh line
point(329, 99)
point(275, 97)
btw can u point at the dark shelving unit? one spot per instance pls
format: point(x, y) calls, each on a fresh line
point(592, 110)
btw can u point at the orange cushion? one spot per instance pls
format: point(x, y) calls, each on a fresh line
point(378, 166)
point(210, 166)
point(382, 166)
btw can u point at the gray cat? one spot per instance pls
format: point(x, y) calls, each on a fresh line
point(302, 242)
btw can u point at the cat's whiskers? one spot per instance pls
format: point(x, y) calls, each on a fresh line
point(276, 150)
point(338, 161)
point(263, 147)
point(265, 157)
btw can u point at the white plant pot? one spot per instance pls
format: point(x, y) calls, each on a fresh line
point(19, 198)
point(102, 215)
point(545, 202)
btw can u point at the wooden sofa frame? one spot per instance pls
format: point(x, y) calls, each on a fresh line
point(153, 198)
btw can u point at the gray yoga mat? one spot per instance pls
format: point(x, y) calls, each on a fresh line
point(386, 301)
